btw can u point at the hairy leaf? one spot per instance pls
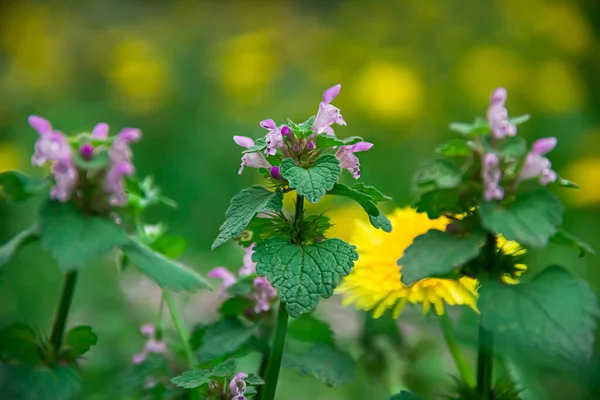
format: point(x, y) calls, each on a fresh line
point(315, 181)
point(192, 379)
point(440, 173)
point(325, 140)
point(381, 222)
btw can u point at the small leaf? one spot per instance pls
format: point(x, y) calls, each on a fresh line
point(18, 342)
point(8, 250)
point(362, 199)
point(530, 220)
point(28, 382)
point(520, 119)
point(243, 208)
point(80, 339)
point(259, 145)
point(440, 173)
point(325, 140)
point(440, 201)
point(330, 365)
point(306, 126)
point(303, 129)
point(192, 379)
point(555, 313)
point(307, 328)
point(455, 147)
point(226, 369)
point(304, 274)
point(564, 238)
point(375, 194)
point(235, 306)
point(513, 148)
point(315, 181)
point(436, 253)
point(404, 395)
point(170, 246)
point(567, 183)
point(223, 338)
point(76, 239)
point(381, 222)
point(167, 273)
point(254, 380)
point(18, 187)
point(477, 128)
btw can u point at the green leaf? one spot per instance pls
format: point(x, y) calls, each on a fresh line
point(27, 382)
point(362, 199)
point(259, 145)
point(436, 253)
point(404, 395)
point(167, 273)
point(192, 379)
point(371, 191)
point(18, 342)
point(8, 250)
point(520, 119)
point(243, 208)
point(381, 222)
point(76, 239)
point(555, 313)
point(455, 147)
point(143, 193)
point(303, 273)
point(440, 173)
point(254, 380)
point(567, 183)
point(223, 338)
point(226, 369)
point(170, 246)
point(325, 140)
point(307, 328)
point(439, 201)
point(18, 187)
point(306, 126)
point(564, 238)
point(241, 287)
point(477, 128)
point(80, 339)
point(531, 219)
point(235, 306)
point(513, 148)
point(330, 365)
point(303, 129)
point(315, 181)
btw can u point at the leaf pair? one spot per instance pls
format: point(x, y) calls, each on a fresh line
point(367, 197)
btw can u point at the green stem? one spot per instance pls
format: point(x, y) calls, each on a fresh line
point(262, 370)
point(64, 306)
point(465, 371)
point(272, 370)
point(180, 329)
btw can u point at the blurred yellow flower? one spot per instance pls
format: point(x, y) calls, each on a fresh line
point(11, 157)
point(565, 24)
point(585, 173)
point(556, 87)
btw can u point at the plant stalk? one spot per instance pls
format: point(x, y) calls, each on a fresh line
point(62, 313)
point(465, 371)
point(185, 341)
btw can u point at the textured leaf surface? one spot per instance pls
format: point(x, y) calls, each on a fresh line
point(330, 365)
point(81, 339)
point(244, 207)
point(8, 250)
point(304, 274)
point(76, 239)
point(223, 338)
point(226, 369)
point(381, 222)
point(455, 147)
point(315, 181)
point(192, 379)
point(361, 198)
point(26, 382)
point(564, 238)
point(18, 187)
point(440, 173)
point(436, 252)
point(531, 219)
point(307, 328)
point(167, 273)
point(555, 313)
point(325, 140)
point(376, 195)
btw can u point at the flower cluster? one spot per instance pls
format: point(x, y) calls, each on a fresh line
point(153, 345)
point(87, 165)
point(263, 294)
point(237, 386)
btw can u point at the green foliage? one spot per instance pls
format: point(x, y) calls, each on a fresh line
point(27, 382)
point(328, 364)
point(254, 380)
point(443, 201)
point(225, 369)
point(531, 219)
point(371, 191)
point(437, 253)
point(259, 145)
point(307, 328)
point(222, 372)
point(404, 395)
point(8, 250)
point(74, 238)
point(193, 379)
point(143, 193)
point(242, 287)
point(364, 200)
point(80, 340)
point(454, 148)
point(18, 187)
point(555, 312)
point(224, 338)
point(303, 129)
point(304, 273)
point(235, 306)
point(325, 140)
point(480, 126)
point(97, 162)
point(513, 148)
point(564, 238)
point(566, 183)
point(243, 208)
point(312, 182)
point(170, 246)
point(381, 222)
point(167, 273)
point(18, 342)
point(438, 173)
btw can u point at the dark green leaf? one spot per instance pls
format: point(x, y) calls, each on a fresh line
point(80, 339)
point(530, 220)
point(167, 273)
point(362, 199)
point(555, 313)
point(223, 338)
point(241, 287)
point(439, 201)
point(27, 382)
point(564, 238)
point(440, 173)
point(381, 222)
point(325, 140)
point(455, 147)
point(170, 246)
point(8, 250)
point(18, 342)
point(315, 181)
point(375, 194)
point(243, 208)
point(226, 369)
point(254, 380)
point(477, 128)
point(19, 187)
point(235, 306)
point(436, 253)
point(307, 328)
point(404, 395)
point(330, 365)
point(76, 239)
point(192, 379)
point(97, 162)
point(304, 274)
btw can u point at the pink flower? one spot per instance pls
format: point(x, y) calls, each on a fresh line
point(348, 160)
point(114, 184)
point(152, 346)
point(248, 267)
point(227, 276)
point(252, 160)
point(237, 386)
point(328, 114)
point(497, 115)
point(274, 137)
point(263, 294)
point(100, 131)
point(536, 165)
point(491, 175)
point(121, 162)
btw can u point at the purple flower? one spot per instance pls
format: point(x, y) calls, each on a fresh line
point(87, 151)
point(227, 276)
point(121, 150)
point(274, 137)
point(536, 165)
point(328, 114)
point(263, 294)
point(248, 267)
point(152, 346)
point(348, 160)
point(120, 158)
point(114, 185)
point(497, 115)
point(491, 174)
point(286, 131)
point(100, 131)
point(275, 173)
point(237, 386)
point(252, 160)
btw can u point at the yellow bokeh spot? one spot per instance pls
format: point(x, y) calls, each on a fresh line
point(585, 173)
point(11, 157)
point(344, 219)
point(565, 24)
point(556, 87)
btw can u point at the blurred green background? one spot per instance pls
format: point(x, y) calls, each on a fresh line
point(191, 74)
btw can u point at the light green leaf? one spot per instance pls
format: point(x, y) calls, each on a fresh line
point(531, 219)
point(372, 191)
point(381, 222)
point(28, 382)
point(404, 395)
point(303, 129)
point(167, 273)
point(564, 238)
point(8, 250)
point(440, 173)
point(362, 199)
point(307, 328)
point(325, 140)
point(170, 246)
point(555, 313)
point(18, 187)
point(226, 369)
point(315, 181)
point(259, 145)
point(477, 128)
point(513, 148)
point(243, 208)
point(224, 337)
point(254, 380)
point(80, 339)
point(455, 147)
point(304, 274)
point(329, 364)
point(566, 183)
point(436, 253)
point(192, 379)
point(520, 119)
point(76, 239)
